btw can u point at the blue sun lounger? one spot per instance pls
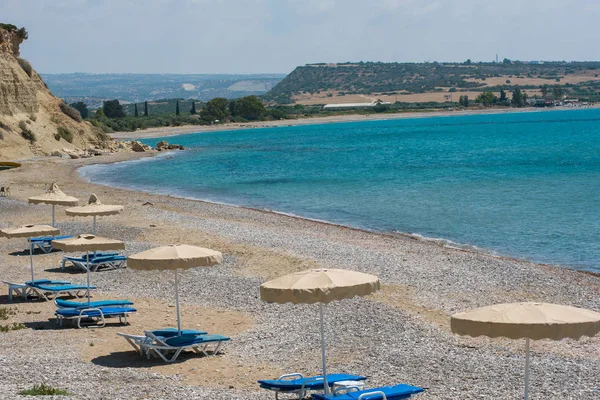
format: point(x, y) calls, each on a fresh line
point(47, 290)
point(175, 345)
point(81, 261)
point(45, 243)
point(97, 315)
point(60, 303)
point(397, 392)
point(157, 335)
point(96, 262)
point(296, 383)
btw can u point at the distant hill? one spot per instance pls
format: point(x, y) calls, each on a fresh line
point(93, 88)
point(368, 78)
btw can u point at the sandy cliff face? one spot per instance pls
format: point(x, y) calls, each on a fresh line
point(28, 108)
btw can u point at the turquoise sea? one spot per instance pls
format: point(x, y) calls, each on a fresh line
point(521, 184)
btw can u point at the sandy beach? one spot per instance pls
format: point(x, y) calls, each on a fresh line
point(180, 130)
point(399, 335)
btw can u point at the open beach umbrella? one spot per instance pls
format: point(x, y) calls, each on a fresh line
point(529, 321)
point(174, 257)
point(95, 209)
point(319, 286)
point(88, 243)
point(55, 197)
point(28, 231)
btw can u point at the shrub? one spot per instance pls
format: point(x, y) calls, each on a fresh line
point(33, 117)
point(14, 327)
point(70, 111)
point(6, 312)
point(44, 390)
point(26, 66)
point(64, 133)
point(26, 132)
point(4, 126)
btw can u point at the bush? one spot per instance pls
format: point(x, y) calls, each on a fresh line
point(44, 390)
point(70, 111)
point(64, 133)
point(33, 117)
point(26, 132)
point(26, 66)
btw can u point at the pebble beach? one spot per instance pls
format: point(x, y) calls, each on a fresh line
point(398, 335)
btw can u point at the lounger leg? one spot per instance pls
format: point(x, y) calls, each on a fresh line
point(10, 292)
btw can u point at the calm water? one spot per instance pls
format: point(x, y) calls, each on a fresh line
point(526, 185)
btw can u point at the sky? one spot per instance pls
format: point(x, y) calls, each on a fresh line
point(275, 36)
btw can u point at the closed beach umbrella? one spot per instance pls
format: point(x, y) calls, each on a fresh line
point(88, 243)
point(28, 231)
point(55, 197)
point(527, 321)
point(173, 258)
point(319, 286)
point(94, 208)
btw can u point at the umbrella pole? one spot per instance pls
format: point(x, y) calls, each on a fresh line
point(94, 226)
point(53, 225)
point(326, 385)
point(31, 260)
point(526, 368)
point(177, 304)
point(87, 267)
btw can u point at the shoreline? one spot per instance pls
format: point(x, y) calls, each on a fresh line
point(438, 241)
point(165, 132)
point(423, 283)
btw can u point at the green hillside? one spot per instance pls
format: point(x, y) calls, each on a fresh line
point(377, 77)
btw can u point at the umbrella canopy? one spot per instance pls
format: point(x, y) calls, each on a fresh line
point(319, 286)
point(88, 243)
point(55, 197)
point(529, 321)
point(172, 258)
point(94, 207)
point(27, 231)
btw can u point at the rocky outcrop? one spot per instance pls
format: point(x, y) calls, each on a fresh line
point(30, 115)
point(164, 145)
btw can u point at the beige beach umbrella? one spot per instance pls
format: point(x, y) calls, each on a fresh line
point(55, 197)
point(319, 286)
point(28, 231)
point(174, 257)
point(529, 321)
point(94, 208)
point(87, 243)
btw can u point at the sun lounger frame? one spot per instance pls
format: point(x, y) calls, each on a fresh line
point(48, 295)
point(158, 347)
point(100, 319)
point(19, 289)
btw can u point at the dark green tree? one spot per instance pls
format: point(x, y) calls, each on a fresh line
point(544, 90)
point(216, 109)
point(557, 92)
point(146, 108)
point(82, 108)
point(177, 108)
point(502, 95)
point(112, 109)
point(249, 107)
point(193, 110)
point(487, 99)
point(136, 111)
point(518, 98)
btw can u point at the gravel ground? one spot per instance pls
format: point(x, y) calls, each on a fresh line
point(398, 336)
